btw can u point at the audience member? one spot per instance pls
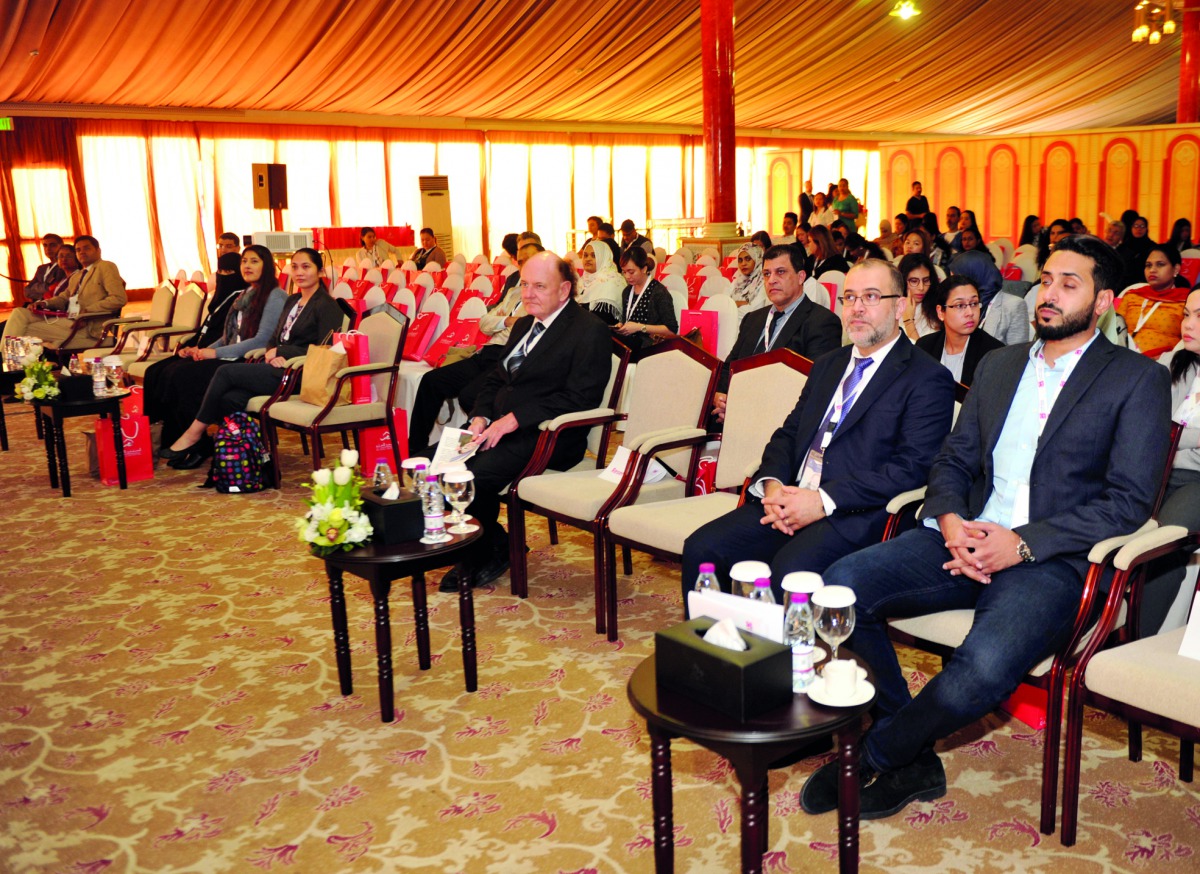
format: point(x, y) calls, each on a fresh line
point(966, 219)
point(821, 213)
point(846, 205)
point(1049, 238)
point(918, 204)
point(857, 249)
point(1005, 316)
point(761, 239)
point(1181, 235)
point(939, 250)
point(919, 277)
point(68, 266)
point(865, 429)
point(229, 284)
point(790, 220)
point(970, 240)
point(886, 237)
point(1055, 449)
point(97, 288)
point(1078, 227)
point(806, 203)
point(228, 243)
point(47, 275)
point(1031, 231)
point(601, 284)
point(606, 232)
point(1114, 234)
point(747, 290)
point(1134, 249)
point(430, 252)
point(954, 305)
point(649, 313)
point(631, 237)
point(952, 216)
point(508, 246)
point(900, 225)
point(1153, 312)
point(821, 255)
point(593, 224)
point(377, 250)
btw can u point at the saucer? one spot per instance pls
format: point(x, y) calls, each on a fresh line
point(863, 693)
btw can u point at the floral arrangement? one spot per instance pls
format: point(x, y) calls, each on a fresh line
point(334, 522)
point(39, 382)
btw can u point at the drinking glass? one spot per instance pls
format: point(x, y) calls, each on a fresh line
point(116, 378)
point(459, 488)
point(453, 467)
point(833, 615)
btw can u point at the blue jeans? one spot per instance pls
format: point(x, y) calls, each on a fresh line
point(1025, 614)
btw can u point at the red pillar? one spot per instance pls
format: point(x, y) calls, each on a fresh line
point(716, 55)
point(1187, 111)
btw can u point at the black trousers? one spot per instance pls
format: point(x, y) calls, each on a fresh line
point(175, 388)
point(461, 380)
point(233, 386)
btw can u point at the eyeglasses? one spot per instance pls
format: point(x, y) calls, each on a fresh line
point(917, 282)
point(964, 306)
point(868, 298)
point(1141, 226)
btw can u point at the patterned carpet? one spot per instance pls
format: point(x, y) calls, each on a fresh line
point(169, 703)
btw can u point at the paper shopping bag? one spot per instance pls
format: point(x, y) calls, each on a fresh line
point(375, 444)
point(358, 351)
point(319, 378)
point(460, 333)
point(420, 335)
point(703, 320)
point(135, 440)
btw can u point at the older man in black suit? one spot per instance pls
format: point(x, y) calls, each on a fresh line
point(792, 321)
point(1060, 444)
point(557, 360)
point(865, 429)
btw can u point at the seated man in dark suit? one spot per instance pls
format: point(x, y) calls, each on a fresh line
point(791, 322)
point(865, 429)
point(47, 275)
point(557, 360)
point(1060, 444)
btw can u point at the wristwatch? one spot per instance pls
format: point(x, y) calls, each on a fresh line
point(1025, 552)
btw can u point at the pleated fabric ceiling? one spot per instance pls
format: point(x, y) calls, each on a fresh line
point(961, 67)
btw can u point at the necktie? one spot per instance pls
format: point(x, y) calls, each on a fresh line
point(810, 471)
point(518, 357)
point(773, 324)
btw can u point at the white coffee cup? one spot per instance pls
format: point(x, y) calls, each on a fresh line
point(841, 679)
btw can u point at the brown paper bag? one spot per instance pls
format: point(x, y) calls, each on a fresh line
point(317, 382)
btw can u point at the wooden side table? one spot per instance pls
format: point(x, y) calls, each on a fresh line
point(379, 565)
point(752, 748)
point(54, 412)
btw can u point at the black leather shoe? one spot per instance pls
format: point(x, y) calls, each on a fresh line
point(820, 792)
point(449, 582)
point(495, 568)
point(189, 460)
point(168, 453)
point(921, 780)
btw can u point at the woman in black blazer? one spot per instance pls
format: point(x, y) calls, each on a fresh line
point(954, 304)
point(646, 308)
point(822, 257)
point(310, 316)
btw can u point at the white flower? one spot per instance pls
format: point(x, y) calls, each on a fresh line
point(322, 477)
point(349, 457)
point(341, 476)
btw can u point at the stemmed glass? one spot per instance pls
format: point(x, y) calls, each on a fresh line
point(459, 488)
point(116, 378)
point(452, 467)
point(833, 615)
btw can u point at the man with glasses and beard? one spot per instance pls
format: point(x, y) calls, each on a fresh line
point(1060, 444)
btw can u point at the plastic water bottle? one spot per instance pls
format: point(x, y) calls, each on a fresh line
point(762, 591)
point(707, 581)
point(798, 634)
point(433, 509)
point(99, 385)
point(382, 477)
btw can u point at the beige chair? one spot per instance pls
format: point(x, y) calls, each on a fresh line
point(132, 328)
point(727, 321)
point(191, 307)
point(1145, 681)
point(386, 331)
point(757, 405)
point(673, 390)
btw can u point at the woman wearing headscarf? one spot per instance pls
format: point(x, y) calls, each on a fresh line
point(1005, 315)
point(601, 285)
point(747, 291)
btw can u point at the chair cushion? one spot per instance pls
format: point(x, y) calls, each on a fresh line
point(1150, 675)
point(256, 404)
point(137, 369)
point(580, 494)
point(665, 525)
point(299, 413)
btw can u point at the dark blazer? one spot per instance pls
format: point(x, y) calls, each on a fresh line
point(833, 262)
point(1098, 461)
point(564, 373)
point(811, 331)
point(885, 444)
point(316, 322)
point(654, 307)
point(979, 344)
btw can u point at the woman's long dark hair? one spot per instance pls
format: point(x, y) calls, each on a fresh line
point(268, 283)
point(1184, 359)
point(1027, 234)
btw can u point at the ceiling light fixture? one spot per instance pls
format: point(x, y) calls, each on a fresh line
point(1153, 20)
point(904, 10)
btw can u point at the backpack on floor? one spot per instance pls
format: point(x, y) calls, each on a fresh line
point(239, 456)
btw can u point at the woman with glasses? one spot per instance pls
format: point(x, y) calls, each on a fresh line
point(1005, 315)
point(954, 305)
point(919, 277)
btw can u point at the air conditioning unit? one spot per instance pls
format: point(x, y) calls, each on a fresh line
point(283, 242)
point(435, 210)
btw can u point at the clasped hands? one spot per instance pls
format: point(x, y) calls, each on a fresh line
point(978, 549)
point(789, 508)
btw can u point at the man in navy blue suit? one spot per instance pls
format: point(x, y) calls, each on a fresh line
point(866, 428)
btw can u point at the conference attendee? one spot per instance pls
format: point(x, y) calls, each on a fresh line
point(857, 249)
point(1078, 227)
point(918, 203)
point(1153, 312)
point(376, 250)
point(939, 250)
point(557, 360)
point(747, 289)
point(508, 249)
point(228, 243)
point(229, 284)
point(97, 288)
point(1049, 238)
point(919, 277)
point(805, 202)
point(1005, 316)
point(605, 231)
point(309, 318)
point(1114, 234)
point(822, 213)
point(1031, 231)
point(46, 275)
point(886, 237)
point(761, 239)
point(1134, 250)
point(68, 266)
point(601, 284)
point(174, 387)
point(821, 254)
point(647, 312)
point(953, 214)
point(966, 219)
point(593, 226)
point(790, 220)
point(630, 237)
point(1181, 235)
point(430, 252)
point(846, 205)
point(900, 225)
point(1055, 449)
point(954, 305)
point(463, 379)
point(970, 240)
point(792, 321)
point(865, 429)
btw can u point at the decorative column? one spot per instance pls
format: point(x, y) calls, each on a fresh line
point(1187, 111)
point(716, 58)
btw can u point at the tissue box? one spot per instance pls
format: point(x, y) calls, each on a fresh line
point(75, 388)
point(741, 685)
point(398, 521)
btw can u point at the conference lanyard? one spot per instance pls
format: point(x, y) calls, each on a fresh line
point(634, 298)
point(1044, 403)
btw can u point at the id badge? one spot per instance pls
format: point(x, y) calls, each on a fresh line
point(73, 306)
point(1020, 513)
point(810, 477)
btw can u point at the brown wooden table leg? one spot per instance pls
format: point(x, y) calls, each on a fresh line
point(383, 646)
point(341, 632)
point(466, 621)
point(119, 443)
point(3, 430)
point(754, 822)
point(848, 797)
point(662, 801)
point(421, 619)
point(60, 445)
point(48, 441)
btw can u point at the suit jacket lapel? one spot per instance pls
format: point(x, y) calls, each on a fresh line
point(792, 325)
point(891, 367)
point(994, 415)
point(1086, 371)
point(818, 402)
point(550, 336)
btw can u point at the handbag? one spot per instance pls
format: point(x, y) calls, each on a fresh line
point(319, 377)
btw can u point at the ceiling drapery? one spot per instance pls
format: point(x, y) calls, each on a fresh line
point(962, 67)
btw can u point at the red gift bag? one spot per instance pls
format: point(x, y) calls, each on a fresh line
point(420, 335)
point(463, 296)
point(358, 351)
point(460, 333)
point(706, 321)
point(375, 444)
point(389, 290)
point(360, 287)
point(418, 290)
point(497, 290)
point(139, 456)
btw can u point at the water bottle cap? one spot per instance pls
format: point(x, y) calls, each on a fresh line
point(799, 598)
point(762, 582)
point(708, 568)
point(431, 478)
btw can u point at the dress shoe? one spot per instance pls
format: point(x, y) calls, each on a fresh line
point(496, 567)
point(923, 779)
point(449, 582)
point(189, 460)
point(168, 453)
point(820, 792)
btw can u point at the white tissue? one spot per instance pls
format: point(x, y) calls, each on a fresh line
point(338, 348)
point(393, 492)
point(725, 635)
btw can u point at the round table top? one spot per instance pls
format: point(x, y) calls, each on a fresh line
point(686, 717)
point(378, 553)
